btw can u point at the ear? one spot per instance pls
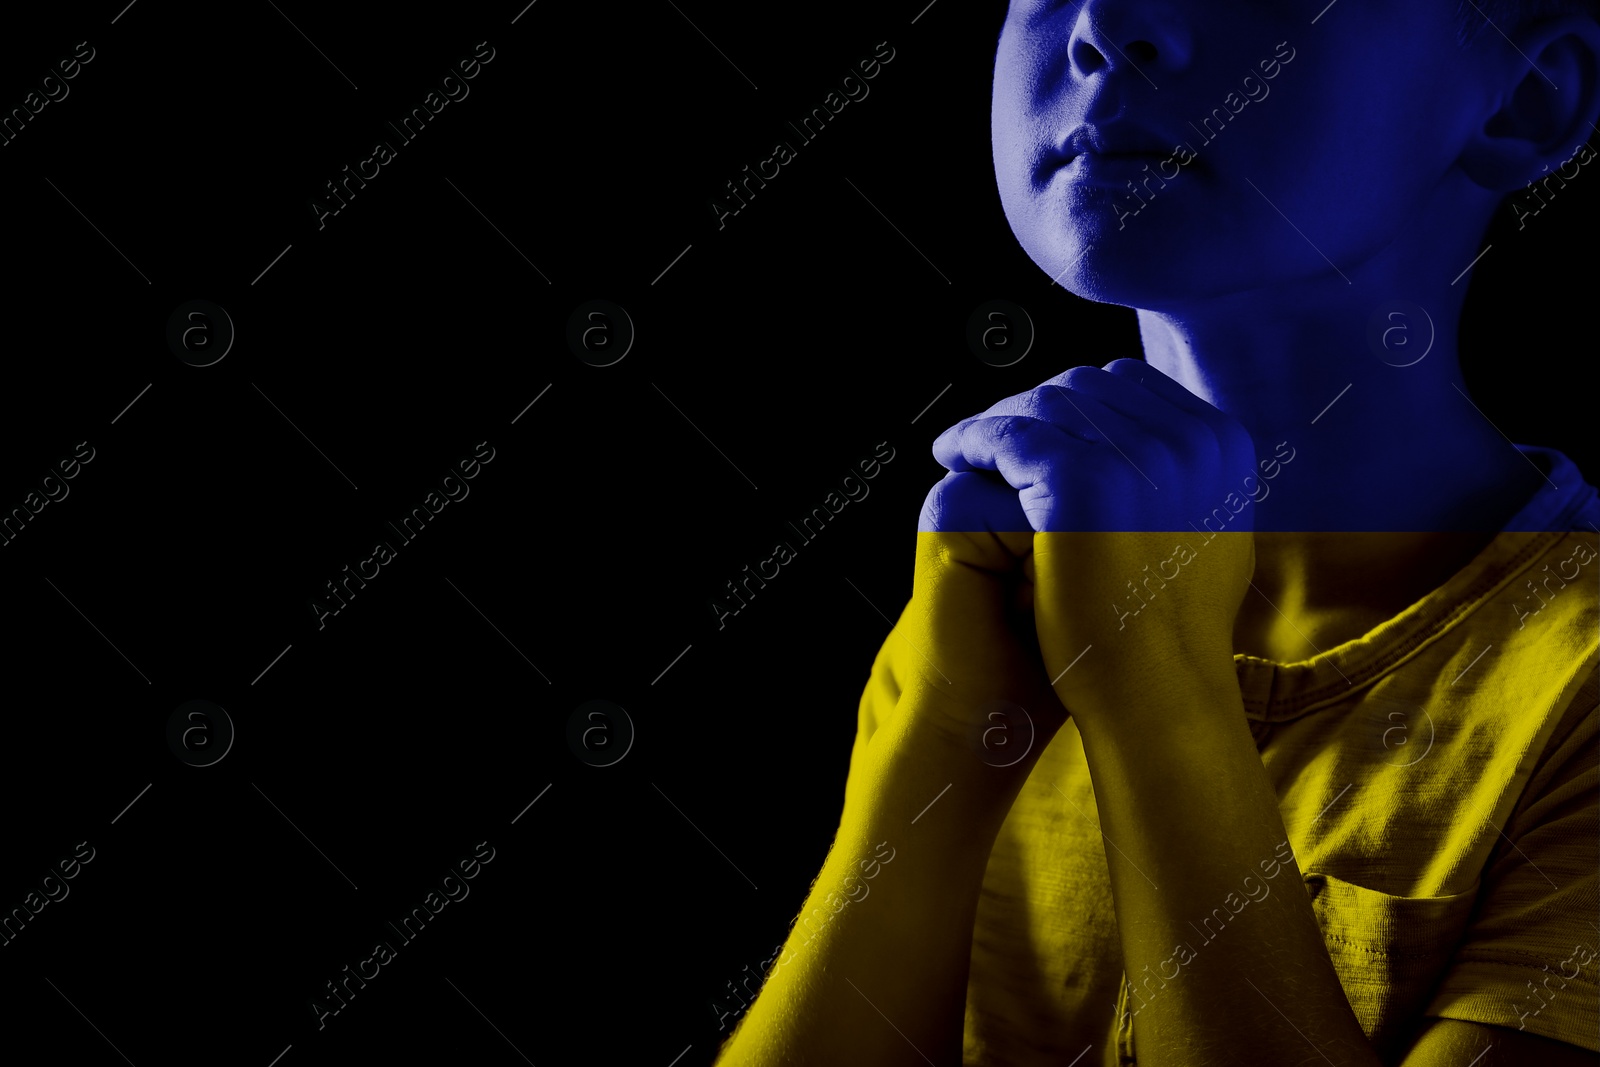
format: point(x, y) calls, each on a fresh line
point(1548, 102)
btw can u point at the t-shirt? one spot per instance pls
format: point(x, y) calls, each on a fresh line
point(1439, 781)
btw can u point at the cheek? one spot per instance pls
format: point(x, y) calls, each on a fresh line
point(1348, 167)
point(1011, 138)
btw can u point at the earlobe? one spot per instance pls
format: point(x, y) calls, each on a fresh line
point(1550, 101)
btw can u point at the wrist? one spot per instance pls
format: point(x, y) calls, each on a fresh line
point(1112, 677)
point(1003, 726)
point(1192, 705)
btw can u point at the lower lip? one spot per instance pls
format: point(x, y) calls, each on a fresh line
point(1097, 169)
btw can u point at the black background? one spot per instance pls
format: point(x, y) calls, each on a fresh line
point(381, 748)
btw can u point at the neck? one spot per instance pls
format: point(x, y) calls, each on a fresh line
point(1396, 451)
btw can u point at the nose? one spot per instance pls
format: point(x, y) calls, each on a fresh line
point(1151, 38)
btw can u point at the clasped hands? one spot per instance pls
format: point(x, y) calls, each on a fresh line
point(1037, 577)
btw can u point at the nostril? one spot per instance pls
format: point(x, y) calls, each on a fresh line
point(1142, 52)
point(1086, 57)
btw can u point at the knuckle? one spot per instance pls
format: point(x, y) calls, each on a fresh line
point(1078, 377)
point(1046, 400)
point(952, 431)
point(1008, 428)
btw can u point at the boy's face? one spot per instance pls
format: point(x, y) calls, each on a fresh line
point(1259, 122)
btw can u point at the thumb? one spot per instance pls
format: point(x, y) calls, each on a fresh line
point(981, 520)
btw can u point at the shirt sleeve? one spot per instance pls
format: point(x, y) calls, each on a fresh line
point(1531, 954)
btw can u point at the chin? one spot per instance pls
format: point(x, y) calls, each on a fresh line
point(1150, 271)
point(1153, 263)
point(1107, 282)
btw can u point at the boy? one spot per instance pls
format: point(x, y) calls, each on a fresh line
point(1294, 653)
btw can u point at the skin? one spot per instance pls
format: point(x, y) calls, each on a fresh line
point(1389, 146)
point(1213, 269)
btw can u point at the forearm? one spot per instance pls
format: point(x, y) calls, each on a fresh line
point(1182, 792)
point(884, 980)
